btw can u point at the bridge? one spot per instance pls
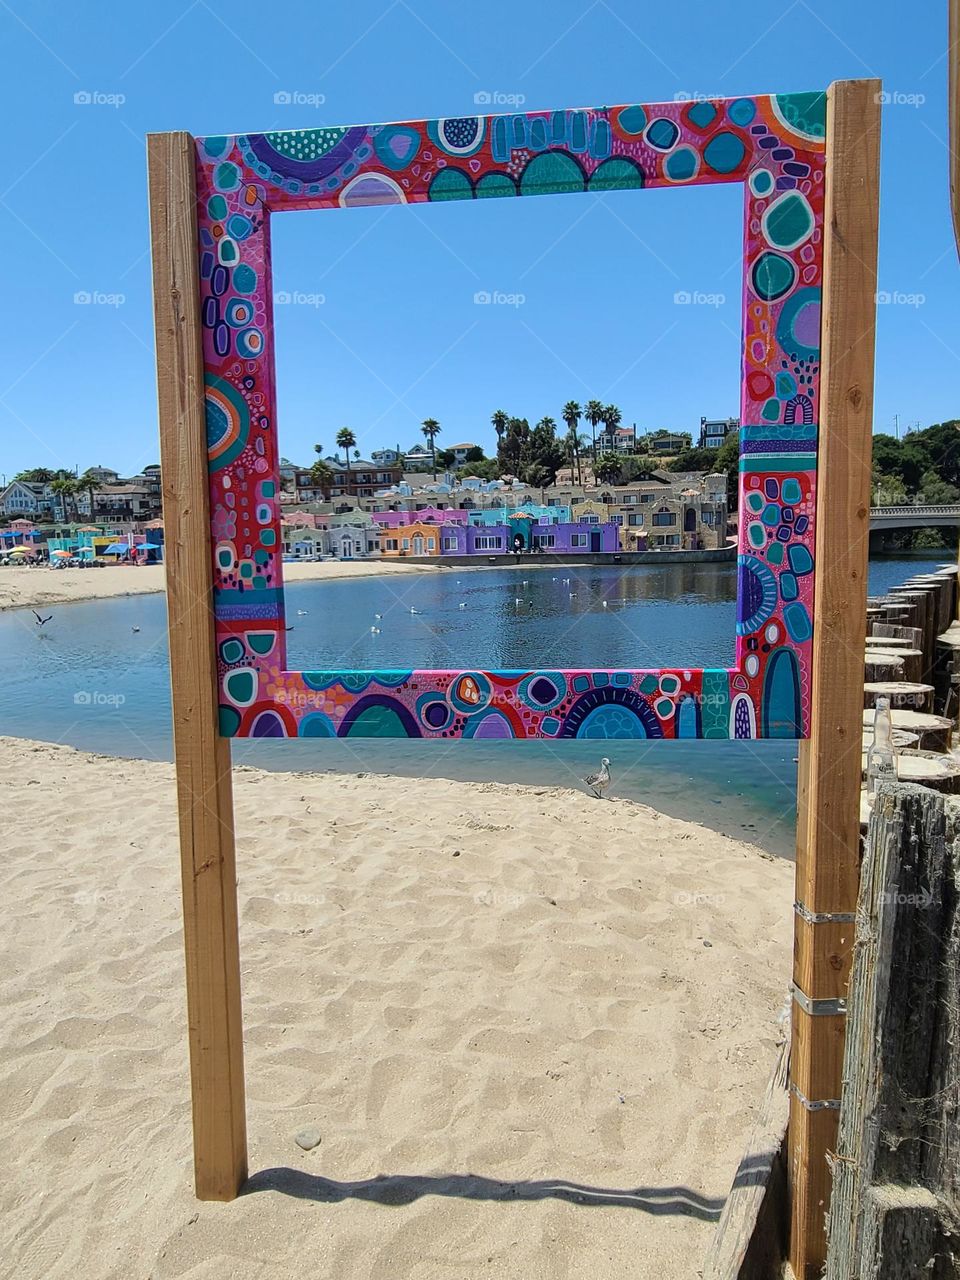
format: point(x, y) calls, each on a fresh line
point(918, 517)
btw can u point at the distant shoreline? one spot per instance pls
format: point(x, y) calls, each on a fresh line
point(32, 588)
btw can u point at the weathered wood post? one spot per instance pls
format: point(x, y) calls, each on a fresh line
point(895, 1210)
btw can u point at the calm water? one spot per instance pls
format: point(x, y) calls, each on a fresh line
point(87, 679)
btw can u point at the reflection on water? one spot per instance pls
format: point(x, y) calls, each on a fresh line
point(89, 680)
point(532, 616)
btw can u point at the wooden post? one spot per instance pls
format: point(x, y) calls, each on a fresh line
point(953, 87)
point(204, 784)
point(895, 1189)
point(828, 825)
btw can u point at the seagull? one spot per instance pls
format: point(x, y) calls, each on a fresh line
point(412, 610)
point(378, 616)
point(599, 781)
point(301, 613)
point(375, 630)
point(604, 603)
point(463, 604)
point(288, 628)
point(134, 629)
point(41, 621)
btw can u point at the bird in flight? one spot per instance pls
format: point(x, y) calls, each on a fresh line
point(599, 781)
point(41, 621)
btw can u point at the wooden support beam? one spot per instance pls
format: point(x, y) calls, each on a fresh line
point(953, 87)
point(828, 825)
point(204, 784)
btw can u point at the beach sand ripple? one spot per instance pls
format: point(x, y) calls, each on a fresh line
point(496, 1004)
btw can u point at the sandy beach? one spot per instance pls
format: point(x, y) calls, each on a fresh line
point(28, 587)
point(532, 1029)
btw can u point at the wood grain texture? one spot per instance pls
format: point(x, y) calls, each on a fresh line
point(953, 77)
point(894, 1209)
point(751, 1238)
point(828, 825)
point(204, 784)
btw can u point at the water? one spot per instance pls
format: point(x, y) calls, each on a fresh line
point(88, 680)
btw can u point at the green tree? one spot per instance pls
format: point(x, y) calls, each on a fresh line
point(499, 419)
point(66, 487)
point(694, 460)
point(321, 473)
point(475, 454)
point(431, 429)
point(446, 458)
point(608, 468)
point(544, 456)
point(728, 463)
point(89, 483)
point(937, 491)
point(488, 469)
point(593, 412)
point(346, 440)
point(571, 416)
point(37, 475)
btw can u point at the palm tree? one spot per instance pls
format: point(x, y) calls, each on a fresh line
point(346, 440)
point(607, 470)
point(89, 483)
point(318, 450)
point(612, 417)
point(499, 420)
point(593, 412)
point(571, 416)
point(66, 488)
point(322, 476)
point(431, 429)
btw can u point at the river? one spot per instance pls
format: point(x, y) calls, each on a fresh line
point(90, 680)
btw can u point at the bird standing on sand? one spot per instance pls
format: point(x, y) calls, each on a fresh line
point(599, 781)
point(41, 621)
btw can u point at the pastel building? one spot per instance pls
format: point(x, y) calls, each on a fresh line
point(425, 515)
point(519, 534)
point(417, 538)
point(535, 511)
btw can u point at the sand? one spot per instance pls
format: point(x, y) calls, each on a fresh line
point(30, 586)
point(532, 1029)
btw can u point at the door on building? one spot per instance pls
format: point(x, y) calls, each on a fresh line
point(417, 544)
point(595, 540)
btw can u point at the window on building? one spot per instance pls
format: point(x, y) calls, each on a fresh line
point(488, 542)
point(634, 520)
point(406, 544)
point(391, 544)
point(630, 499)
point(617, 520)
point(664, 518)
point(578, 540)
point(449, 544)
point(544, 540)
point(591, 519)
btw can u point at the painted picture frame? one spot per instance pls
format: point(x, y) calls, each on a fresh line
point(774, 145)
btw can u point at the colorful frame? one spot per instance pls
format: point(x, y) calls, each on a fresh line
point(775, 146)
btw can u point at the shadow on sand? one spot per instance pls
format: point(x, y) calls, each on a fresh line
point(400, 1189)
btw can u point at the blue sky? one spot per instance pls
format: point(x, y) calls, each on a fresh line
point(386, 331)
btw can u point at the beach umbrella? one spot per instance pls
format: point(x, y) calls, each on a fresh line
point(21, 551)
point(116, 549)
point(60, 554)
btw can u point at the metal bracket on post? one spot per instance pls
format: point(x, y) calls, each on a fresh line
point(834, 1007)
